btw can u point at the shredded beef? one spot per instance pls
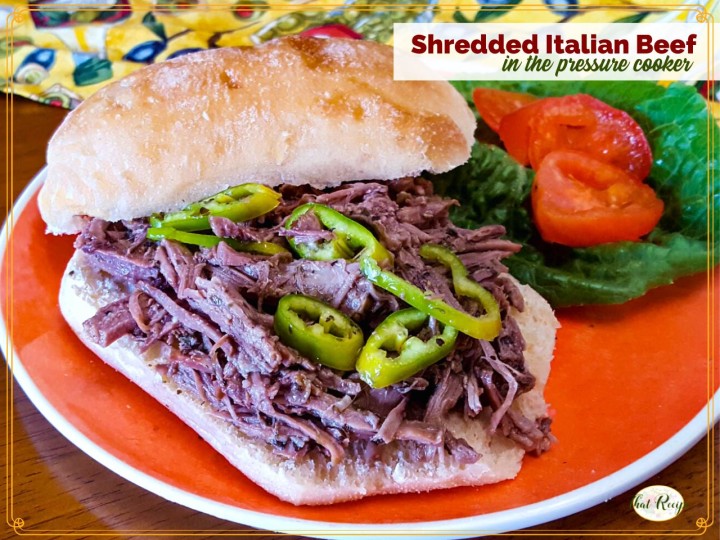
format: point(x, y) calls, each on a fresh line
point(392, 422)
point(447, 393)
point(119, 249)
point(461, 450)
point(211, 312)
point(225, 228)
point(258, 348)
point(110, 323)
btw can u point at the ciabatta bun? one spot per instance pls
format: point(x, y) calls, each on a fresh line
point(307, 481)
point(293, 111)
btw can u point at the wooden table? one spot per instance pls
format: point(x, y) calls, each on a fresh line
point(57, 487)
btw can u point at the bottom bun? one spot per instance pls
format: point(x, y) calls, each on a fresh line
point(311, 481)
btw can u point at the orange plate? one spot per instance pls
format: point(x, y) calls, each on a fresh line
point(612, 365)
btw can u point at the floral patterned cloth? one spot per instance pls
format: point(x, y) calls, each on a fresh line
point(59, 55)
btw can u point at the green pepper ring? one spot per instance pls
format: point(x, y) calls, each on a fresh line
point(210, 240)
point(486, 327)
point(351, 236)
point(379, 370)
point(238, 203)
point(332, 339)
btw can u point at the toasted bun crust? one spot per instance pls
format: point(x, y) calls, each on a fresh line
point(293, 111)
point(308, 481)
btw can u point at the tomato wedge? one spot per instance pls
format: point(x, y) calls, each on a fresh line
point(580, 201)
point(493, 104)
point(514, 131)
point(582, 123)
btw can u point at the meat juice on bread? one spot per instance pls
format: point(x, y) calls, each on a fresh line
point(222, 195)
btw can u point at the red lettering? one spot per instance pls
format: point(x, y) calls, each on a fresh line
point(418, 43)
point(462, 46)
point(496, 46)
point(530, 46)
point(513, 46)
point(677, 46)
point(438, 46)
point(644, 44)
point(477, 46)
point(661, 46)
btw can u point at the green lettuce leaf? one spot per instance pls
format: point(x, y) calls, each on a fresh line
point(494, 188)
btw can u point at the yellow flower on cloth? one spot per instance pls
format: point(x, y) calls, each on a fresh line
point(60, 54)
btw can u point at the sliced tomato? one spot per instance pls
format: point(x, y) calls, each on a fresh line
point(515, 131)
point(580, 201)
point(584, 124)
point(493, 104)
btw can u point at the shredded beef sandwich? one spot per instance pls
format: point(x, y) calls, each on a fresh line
point(259, 250)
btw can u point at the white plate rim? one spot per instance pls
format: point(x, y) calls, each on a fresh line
point(493, 523)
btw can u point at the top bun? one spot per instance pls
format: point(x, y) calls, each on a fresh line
point(293, 111)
